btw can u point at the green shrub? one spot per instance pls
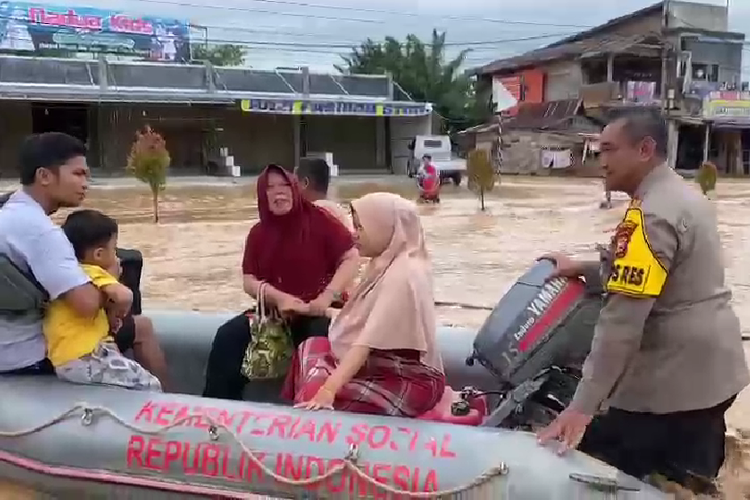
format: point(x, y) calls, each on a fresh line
point(706, 178)
point(149, 161)
point(481, 173)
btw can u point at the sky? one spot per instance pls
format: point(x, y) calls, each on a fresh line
point(316, 33)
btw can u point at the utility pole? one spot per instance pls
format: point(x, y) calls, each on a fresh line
point(664, 54)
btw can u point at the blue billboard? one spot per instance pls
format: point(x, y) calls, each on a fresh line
point(30, 27)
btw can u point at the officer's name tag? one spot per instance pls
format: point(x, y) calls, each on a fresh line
point(635, 269)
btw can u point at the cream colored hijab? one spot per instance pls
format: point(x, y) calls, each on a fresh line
point(393, 307)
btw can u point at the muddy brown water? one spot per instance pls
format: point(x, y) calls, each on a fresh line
point(192, 257)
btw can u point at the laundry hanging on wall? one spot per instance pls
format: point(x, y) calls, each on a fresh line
point(556, 158)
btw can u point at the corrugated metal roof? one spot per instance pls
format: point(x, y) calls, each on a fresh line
point(171, 78)
point(643, 44)
point(546, 115)
point(548, 54)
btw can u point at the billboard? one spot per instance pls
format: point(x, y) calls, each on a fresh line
point(30, 27)
point(727, 105)
point(282, 106)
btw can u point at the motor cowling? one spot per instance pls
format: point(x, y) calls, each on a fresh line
point(538, 336)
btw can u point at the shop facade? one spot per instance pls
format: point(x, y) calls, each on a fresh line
point(720, 134)
point(259, 117)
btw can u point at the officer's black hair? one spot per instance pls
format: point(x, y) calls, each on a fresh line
point(639, 124)
point(49, 150)
point(317, 172)
point(89, 229)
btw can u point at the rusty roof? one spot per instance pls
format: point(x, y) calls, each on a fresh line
point(642, 44)
point(545, 115)
point(574, 45)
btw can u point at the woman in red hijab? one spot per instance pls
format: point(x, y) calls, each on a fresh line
point(306, 258)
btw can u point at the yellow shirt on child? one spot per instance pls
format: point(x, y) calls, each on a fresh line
point(69, 336)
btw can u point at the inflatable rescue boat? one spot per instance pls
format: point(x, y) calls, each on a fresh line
point(65, 439)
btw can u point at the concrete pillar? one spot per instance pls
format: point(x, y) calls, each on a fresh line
point(102, 73)
point(391, 90)
point(610, 68)
point(297, 124)
point(672, 143)
point(306, 81)
point(380, 146)
point(707, 141)
point(210, 82)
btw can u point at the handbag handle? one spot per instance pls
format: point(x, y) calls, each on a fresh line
point(262, 301)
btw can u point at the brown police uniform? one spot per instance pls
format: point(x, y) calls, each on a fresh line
point(667, 353)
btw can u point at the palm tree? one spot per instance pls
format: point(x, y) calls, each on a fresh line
point(421, 71)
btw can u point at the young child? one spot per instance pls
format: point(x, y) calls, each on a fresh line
point(81, 349)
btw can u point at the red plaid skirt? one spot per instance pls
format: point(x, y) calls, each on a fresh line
point(388, 384)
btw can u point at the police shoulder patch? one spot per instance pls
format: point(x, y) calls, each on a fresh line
point(636, 271)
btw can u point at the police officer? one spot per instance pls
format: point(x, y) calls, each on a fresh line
point(667, 353)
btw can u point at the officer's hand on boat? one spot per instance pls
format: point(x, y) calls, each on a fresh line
point(565, 267)
point(567, 429)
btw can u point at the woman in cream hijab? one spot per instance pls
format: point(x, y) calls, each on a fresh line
point(380, 355)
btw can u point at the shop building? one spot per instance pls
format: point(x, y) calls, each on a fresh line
point(257, 117)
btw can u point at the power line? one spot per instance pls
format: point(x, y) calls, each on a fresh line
point(350, 43)
point(344, 49)
point(481, 45)
point(349, 19)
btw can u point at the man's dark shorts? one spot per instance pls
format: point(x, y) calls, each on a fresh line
point(125, 337)
point(684, 447)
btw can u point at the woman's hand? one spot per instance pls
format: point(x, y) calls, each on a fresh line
point(319, 306)
point(323, 400)
point(290, 304)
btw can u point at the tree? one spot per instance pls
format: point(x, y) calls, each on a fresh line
point(481, 173)
point(421, 71)
point(148, 162)
point(220, 55)
point(706, 178)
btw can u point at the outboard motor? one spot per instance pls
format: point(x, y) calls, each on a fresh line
point(535, 342)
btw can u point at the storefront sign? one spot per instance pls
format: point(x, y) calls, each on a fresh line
point(328, 107)
point(30, 27)
point(727, 104)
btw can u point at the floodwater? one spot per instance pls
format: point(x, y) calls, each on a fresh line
point(192, 257)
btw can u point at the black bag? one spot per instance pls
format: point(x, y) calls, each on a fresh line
point(131, 262)
point(20, 293)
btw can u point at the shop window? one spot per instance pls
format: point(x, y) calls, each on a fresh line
point(706, 72)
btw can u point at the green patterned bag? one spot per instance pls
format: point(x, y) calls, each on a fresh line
point(270, 351)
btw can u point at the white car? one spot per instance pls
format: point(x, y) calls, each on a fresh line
point(439, 149)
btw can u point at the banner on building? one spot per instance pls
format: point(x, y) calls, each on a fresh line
point(506, 92)
point(282, 106)
point(31, 27)
point(727, 104)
